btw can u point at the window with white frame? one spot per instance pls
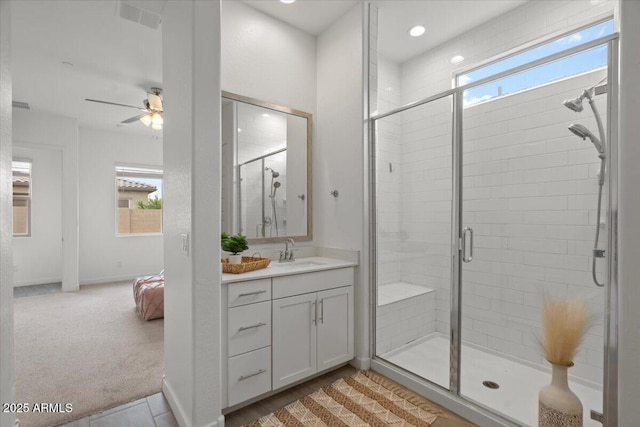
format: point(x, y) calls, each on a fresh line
point(21, 172)
point(568, 66)
point(138, 200)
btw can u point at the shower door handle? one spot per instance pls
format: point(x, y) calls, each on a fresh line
point(465, 231)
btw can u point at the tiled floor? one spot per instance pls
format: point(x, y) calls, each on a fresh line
point(153, 411)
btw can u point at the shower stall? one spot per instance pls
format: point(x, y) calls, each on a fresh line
point(482, 207)
point(261, 186)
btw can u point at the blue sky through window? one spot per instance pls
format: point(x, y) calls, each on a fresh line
point(569, 66)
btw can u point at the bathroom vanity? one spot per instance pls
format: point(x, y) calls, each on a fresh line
point(284, 324)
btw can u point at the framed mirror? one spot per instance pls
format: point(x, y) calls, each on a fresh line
point(266, 170)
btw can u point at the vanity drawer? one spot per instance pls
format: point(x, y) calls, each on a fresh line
point(249, 292)
point(249, 375)
point(249, 327)
point(298, 284)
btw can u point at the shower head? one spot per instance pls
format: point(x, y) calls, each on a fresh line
point(274, 174)
point(574, 104)
point(585, 133)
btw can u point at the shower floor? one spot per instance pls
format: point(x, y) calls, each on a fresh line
point(519, 383)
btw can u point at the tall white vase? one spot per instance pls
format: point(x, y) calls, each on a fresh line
point(558, 406)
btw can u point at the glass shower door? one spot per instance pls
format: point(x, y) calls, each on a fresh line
point(413, 249)
point(529, 198)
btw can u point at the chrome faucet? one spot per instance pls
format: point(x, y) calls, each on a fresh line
point(287, 255)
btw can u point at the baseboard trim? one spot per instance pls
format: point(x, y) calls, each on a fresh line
point(110, 279)
point(361, 363)
point(178, 412)
point(41, 281)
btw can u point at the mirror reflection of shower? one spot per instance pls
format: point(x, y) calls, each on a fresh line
point(600, 144)
point(261, 188)
point(274, 213)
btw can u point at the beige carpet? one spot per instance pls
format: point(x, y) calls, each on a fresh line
point(364, 399)
point(88, 348)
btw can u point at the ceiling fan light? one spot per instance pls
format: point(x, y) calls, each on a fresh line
point(156, 119)
point(156, 126)
point(146, 120)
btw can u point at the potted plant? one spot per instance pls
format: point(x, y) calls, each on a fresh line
point(234, 244)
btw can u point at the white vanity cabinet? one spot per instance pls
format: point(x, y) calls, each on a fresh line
point(285, 328)
point(311, 333)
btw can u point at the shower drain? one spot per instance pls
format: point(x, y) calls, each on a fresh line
point(490, 384)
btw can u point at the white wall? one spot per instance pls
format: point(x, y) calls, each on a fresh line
point(266, 59)
point(7, 372)
point(37, 258)
point(104, 256)
point(338, 152)
point(269, 60)
point(48, 131)
point(192, 172)
point(629, 212)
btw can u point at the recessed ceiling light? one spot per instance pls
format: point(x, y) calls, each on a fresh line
point(239, 130)
point(287, 1)
point(416, 31)
point(265, 115)
point(457, 59)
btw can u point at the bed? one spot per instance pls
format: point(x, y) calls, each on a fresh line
point(148, 293)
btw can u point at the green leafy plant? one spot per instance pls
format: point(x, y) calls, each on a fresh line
point(154, 203)
point(234, 244)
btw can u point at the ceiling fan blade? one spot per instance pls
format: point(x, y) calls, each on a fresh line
point(134, 118)
point(114, 103)
point(155, 102)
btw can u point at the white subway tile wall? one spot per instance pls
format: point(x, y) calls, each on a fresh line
point(405, 313)
point(529, 189)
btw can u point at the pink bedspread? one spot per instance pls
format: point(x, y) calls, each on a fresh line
point(148, 293)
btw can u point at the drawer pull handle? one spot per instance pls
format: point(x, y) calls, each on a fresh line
point(251, 293)
point(244, 377)
point(257, 325)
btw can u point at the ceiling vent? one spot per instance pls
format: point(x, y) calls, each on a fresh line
point(21, 105)
point(138, 15)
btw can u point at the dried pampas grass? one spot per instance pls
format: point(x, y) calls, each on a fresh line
point(566, 322)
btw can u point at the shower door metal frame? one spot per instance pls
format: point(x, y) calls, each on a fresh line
point(452, 397)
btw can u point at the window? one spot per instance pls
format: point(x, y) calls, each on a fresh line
point(582, 62)
point(138, 200)
point(21, 170)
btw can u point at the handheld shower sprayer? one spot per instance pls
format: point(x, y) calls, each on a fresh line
point(600, 144)
point(584, 133)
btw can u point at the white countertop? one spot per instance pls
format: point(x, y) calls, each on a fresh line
point(299, 266)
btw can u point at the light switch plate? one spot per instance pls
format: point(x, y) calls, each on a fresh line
point(185, 243)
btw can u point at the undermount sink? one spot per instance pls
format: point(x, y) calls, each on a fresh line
point(297, 264)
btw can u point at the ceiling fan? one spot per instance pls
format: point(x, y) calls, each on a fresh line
point(152, 111)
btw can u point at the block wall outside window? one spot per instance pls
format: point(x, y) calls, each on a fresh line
point(138, 200)
point(21, 171)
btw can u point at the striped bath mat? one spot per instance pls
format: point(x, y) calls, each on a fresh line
point(364, 399)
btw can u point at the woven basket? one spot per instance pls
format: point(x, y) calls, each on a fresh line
point(248, 264)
